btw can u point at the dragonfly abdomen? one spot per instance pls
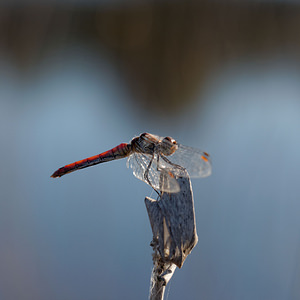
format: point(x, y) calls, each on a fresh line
point(117, 152)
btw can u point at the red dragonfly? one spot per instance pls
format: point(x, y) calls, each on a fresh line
point(153, 159)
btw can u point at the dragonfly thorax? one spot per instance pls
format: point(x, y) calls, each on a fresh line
point(144, 144)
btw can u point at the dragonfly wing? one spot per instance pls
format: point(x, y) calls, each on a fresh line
point(138, 163)
point(195, 161)
point(159, 177)
point(168, 182)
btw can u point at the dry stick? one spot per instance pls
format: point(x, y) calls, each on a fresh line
point(172, 219)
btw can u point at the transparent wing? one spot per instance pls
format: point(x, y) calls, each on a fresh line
point(195, 161)
point(160, 174)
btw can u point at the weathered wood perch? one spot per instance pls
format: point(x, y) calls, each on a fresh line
point(172, 219)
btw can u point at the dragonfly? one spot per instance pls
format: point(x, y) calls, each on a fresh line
point(155, 160)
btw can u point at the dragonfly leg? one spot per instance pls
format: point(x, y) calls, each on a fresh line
point(169, 162)
point(160, 169)
point(146, 176)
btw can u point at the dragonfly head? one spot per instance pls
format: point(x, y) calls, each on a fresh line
point(168, 146)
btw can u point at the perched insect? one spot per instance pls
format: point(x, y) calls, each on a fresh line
point(153, 159)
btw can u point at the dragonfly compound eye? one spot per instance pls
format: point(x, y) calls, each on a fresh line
point(168, 146)
point(170, 140)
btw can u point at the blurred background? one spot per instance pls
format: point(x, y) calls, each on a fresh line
point(79, 77)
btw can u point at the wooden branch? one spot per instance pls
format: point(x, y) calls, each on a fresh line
point(172, 219)
point(161, 275)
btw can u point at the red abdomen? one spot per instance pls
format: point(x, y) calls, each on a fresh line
point(118, 152)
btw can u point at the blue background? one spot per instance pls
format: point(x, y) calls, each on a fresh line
point(86, 235)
